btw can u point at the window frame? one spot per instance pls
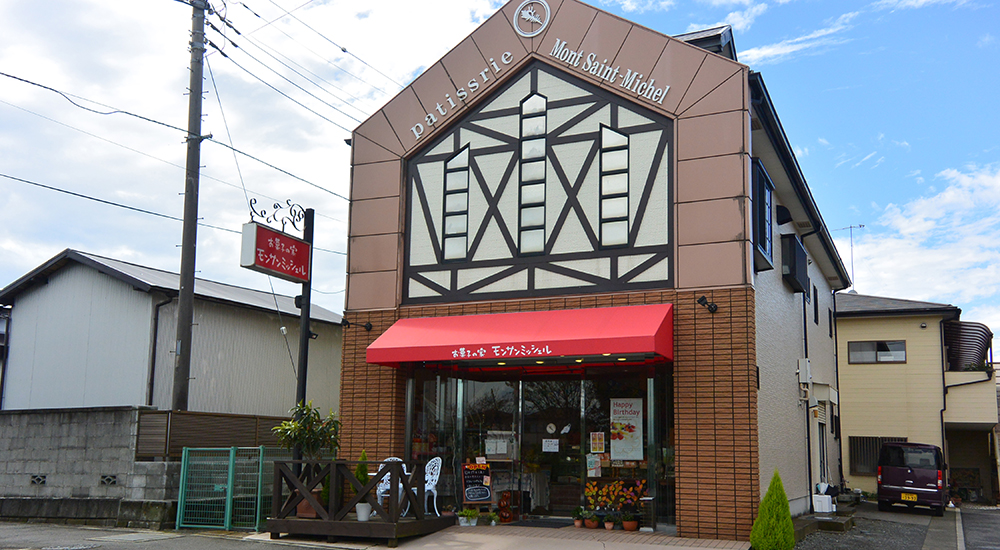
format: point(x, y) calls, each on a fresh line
point(863, 447)
point(763, 216)
point(852, 361)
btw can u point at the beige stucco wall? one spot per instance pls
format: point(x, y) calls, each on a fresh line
point(780, 344)
point(973, 403)
point(895, 399)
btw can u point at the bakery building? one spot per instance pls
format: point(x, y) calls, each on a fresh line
point(583, 252)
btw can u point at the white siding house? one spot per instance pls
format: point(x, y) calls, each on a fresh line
point(88, 331)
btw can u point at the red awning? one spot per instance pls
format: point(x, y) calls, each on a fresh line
point(596, 332)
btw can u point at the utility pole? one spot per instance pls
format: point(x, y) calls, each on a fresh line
point(189, 242)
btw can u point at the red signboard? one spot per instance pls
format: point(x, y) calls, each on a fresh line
point(275, 253)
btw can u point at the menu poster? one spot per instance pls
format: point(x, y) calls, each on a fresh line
point(476, 483)
point(626, 429)
point(597, 442)
point(550, 445)
point(593, 465)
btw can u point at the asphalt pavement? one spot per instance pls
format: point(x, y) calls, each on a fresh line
point(981, 527)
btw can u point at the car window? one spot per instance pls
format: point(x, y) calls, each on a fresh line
point(921, 458)
point(892, 456)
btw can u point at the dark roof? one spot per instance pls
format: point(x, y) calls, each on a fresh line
point(861, 305)
point(718, 40)
point(149, 279)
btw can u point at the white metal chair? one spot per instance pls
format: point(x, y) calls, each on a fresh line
point(382, 489)
point(431, 474)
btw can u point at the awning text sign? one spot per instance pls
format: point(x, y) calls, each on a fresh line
point(270, 251)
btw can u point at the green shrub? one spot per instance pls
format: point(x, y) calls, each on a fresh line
point(773, 530)
point(361, 472)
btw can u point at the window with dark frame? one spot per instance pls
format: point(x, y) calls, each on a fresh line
point(815, 305)
point(455, 241)
point(876, 351)
point(829, 320)
point(763, 217)
point(614, 188)
point(531, 217)
point(863, 453)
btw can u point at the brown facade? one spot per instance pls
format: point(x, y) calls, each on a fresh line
point(715, 388)
point(715, 374)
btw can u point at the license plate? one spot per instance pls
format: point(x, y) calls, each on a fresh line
point(909, 496)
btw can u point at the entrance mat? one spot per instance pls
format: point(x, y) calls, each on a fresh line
point(551, 523)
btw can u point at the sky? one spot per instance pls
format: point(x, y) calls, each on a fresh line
point(890, 106)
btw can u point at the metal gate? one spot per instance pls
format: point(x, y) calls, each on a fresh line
point(226, 488)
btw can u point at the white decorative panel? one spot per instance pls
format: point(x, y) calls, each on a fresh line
point(511, 97)
point(548, 279)
point(418, 290)
point(516, 282)
point(562, 187)
point(557, 88)
point(627, 118)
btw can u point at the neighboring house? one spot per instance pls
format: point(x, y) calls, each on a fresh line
point(913, 371)
point(89, 331)
point(543, 260)
point(89, 360)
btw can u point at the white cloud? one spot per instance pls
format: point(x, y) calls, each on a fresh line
point(986, 40)
point(940, 248)
point(904, 4)
point(801, 151)
point(727, 2)
point(823, 142)
point(640, 6)
point(904, 144)
point(783, 50)
point(742, 20)
point(877, 163)
point(860, 162)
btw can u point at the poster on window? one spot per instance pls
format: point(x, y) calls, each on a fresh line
point(626, 429)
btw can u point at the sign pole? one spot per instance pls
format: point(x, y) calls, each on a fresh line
point(305, 334)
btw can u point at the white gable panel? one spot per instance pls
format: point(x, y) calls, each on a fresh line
point(505, 124)
point(517, 281)
point(494, 167)
point(571, 157)
point(595, 266)
point(557, 88)
point(558, 117)
point(658, 272)
point(572, 237)
point(432, 176)
point(628, 263)
point(418, 290)
point(421, 245)
point(493, 246)
point(548, 279)
point(655, 222)
point(477, 140)
point(509, 204)
point(590, 196)
point(627, 118)
point(591, 123)
point(443, 147)
point(512, 97)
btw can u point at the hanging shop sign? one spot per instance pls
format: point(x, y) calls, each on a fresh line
point(275, 253)
point(626, 429)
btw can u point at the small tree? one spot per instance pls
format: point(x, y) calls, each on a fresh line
point(307, 429)
point(773, 530)
point(361, 472)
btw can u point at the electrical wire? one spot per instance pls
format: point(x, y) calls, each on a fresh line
point(225, 124)
point(147, 155)
point(119, 111)
point(134, 208)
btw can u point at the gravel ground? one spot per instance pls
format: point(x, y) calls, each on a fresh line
point(868, 534)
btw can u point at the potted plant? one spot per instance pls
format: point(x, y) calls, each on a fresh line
point(312, 435)
point(629, 521)
point(468, 517)
point(611, 519)
point(491, 518)
point(363, 509)
point(589, 519)
point(578, 516)
point(448, 510)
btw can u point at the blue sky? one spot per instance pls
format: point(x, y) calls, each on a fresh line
point(890, 106)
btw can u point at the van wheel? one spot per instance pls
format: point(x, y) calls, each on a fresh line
point(884, 506)
point(937, 510)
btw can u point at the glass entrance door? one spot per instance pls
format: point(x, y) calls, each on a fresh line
point(550, 445)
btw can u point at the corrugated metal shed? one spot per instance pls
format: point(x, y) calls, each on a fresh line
point(149, 279)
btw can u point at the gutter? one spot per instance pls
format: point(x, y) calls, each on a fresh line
point(6, 354)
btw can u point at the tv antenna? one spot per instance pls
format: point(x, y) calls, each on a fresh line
point(852, 228)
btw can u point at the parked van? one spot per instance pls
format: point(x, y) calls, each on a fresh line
point(912, 474)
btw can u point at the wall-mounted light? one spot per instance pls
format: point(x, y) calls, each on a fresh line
point(367, 326)
point(712, 308)
point(923, 325)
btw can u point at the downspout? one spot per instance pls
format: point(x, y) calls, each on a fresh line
point(836, 377)
point(944, 385)
point(805, 347)
point(154, 334)
point(6, 354)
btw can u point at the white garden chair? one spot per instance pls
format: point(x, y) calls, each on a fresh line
point(382, 489)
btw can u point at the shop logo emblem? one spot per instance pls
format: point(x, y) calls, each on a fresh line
point(529, 20)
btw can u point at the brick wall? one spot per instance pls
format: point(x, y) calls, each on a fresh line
point(715, 397)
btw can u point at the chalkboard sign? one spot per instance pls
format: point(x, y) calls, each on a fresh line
point(476, 483)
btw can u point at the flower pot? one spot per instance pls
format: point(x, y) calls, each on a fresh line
point(467, 522)
point(578, 522)
point(630, 525)
point(305, 510)
point(609, 525)
point(590, 523)
point(364, 511)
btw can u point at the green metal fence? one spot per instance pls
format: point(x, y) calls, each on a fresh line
point(226, 488)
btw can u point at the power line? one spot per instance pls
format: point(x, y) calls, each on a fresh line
point(261, 80)
point(341, 48)
point(134, 208)
point(147, 155)
point(119, 111)
point(286, 79)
